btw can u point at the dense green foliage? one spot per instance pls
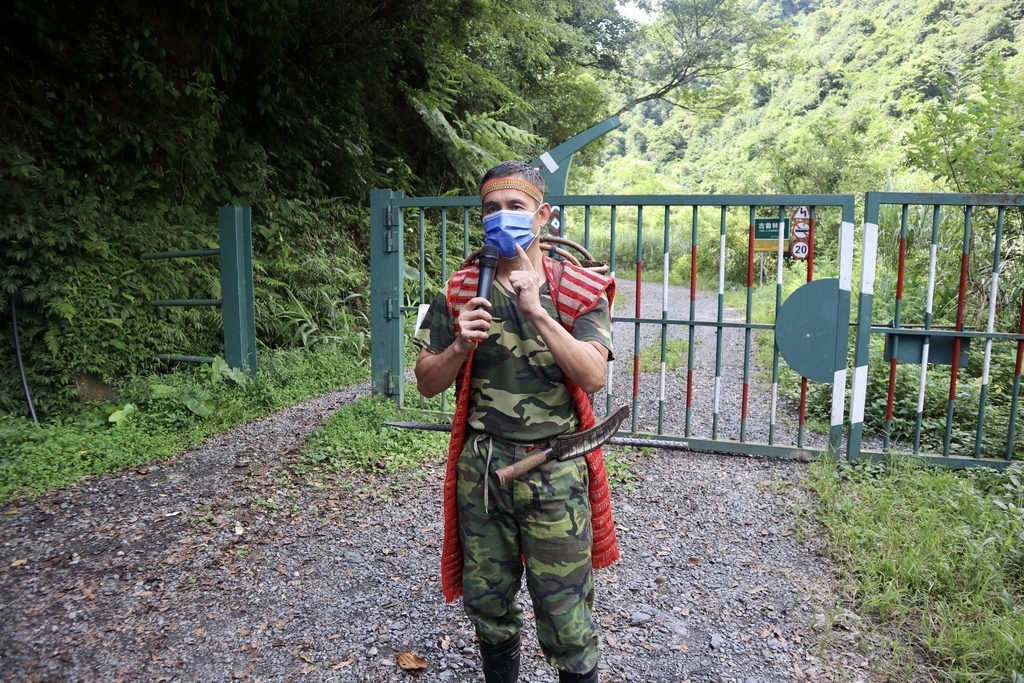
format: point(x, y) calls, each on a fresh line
point(157, 418)
point(123, 126)
point(938, 556)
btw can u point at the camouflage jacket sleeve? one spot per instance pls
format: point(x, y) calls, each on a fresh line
point(437, 331)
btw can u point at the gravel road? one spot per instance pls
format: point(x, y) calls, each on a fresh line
point(227, 564)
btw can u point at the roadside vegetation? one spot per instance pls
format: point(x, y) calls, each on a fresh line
point(936, 556)
point(156, 417)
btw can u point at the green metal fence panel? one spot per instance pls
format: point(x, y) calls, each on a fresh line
point(946, 251)
point(237, 300)
point(625, 225)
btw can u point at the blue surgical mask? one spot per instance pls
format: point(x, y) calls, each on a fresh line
point(505, 229)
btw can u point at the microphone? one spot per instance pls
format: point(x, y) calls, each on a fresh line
point(488, 260)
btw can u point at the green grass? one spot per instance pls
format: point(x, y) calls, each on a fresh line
point(937, 556)
point(158, 417)
point(675, 356)
point(356, 437)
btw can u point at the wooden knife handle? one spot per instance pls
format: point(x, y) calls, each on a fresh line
point(507, 474)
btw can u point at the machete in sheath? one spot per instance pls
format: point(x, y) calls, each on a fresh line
point(567, 446)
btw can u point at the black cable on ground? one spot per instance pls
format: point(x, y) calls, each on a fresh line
point(21, 364)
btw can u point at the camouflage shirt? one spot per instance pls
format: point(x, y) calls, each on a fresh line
point(517, 391)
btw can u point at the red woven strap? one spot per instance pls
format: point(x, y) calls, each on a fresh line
point(451, 550)
point(575, 290)
point(605, 549)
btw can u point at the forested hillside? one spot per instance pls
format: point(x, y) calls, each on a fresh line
point(849, 96)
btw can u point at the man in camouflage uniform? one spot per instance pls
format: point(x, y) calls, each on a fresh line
point(521, 364)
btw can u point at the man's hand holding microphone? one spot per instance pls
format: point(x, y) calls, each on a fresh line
point(474, 318)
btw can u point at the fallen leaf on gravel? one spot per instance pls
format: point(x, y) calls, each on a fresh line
point(410, 661)
point(787, 532)
point(308, 669)
point(19, 562)
point(239, 529)
point(694, 560)
point(342, 664)
point(610, 639)
point(756, 589)
point(446, 642)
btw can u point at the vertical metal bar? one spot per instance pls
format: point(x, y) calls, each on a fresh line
point(860, 371)
point(989, 328)
point(900, 277)
point(1014, 401)
point(586, 227)
point(779, 270)
point(611, 273)
point(444, 244)
point(636, 326)
point(747, 329)
point(693, 317)
point(422, 281)
point(386, 338)
point(664, 324)
point(444, 278)
point(423, 255)
point(719, 329)
point(810, 244)
point(803, 380)
point(961, 304)
point(238, 309)
point(465, 232)
point(926, 343)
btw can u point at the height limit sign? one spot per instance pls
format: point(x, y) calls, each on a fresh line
point(803, 224)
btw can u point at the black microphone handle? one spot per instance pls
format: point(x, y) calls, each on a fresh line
point(488, 261)
point(486, 280)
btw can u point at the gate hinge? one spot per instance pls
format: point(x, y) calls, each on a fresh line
point(389, 230)
point(390, 308)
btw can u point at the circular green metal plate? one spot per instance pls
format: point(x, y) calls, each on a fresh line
point(805, 329)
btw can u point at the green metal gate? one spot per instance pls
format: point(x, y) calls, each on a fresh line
point(949, 332)
point(938, 347)
point(676, 233)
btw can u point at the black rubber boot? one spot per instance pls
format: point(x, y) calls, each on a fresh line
point(589, 677)
point(501, 661)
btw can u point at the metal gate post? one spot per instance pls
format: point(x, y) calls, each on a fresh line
point(868, 259)
point(842, 329)
point(236, 287)
point(386, 329)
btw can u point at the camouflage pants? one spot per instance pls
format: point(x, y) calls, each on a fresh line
point(544, 517)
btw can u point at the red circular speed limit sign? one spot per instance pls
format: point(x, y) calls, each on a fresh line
point(800, 249)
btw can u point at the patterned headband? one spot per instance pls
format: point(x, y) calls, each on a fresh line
point(512, 184)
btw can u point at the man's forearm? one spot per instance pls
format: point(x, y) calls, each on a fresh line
point(435, 372)
point(583, 362)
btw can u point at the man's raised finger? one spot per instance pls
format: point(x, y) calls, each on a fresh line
point(524, 261)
